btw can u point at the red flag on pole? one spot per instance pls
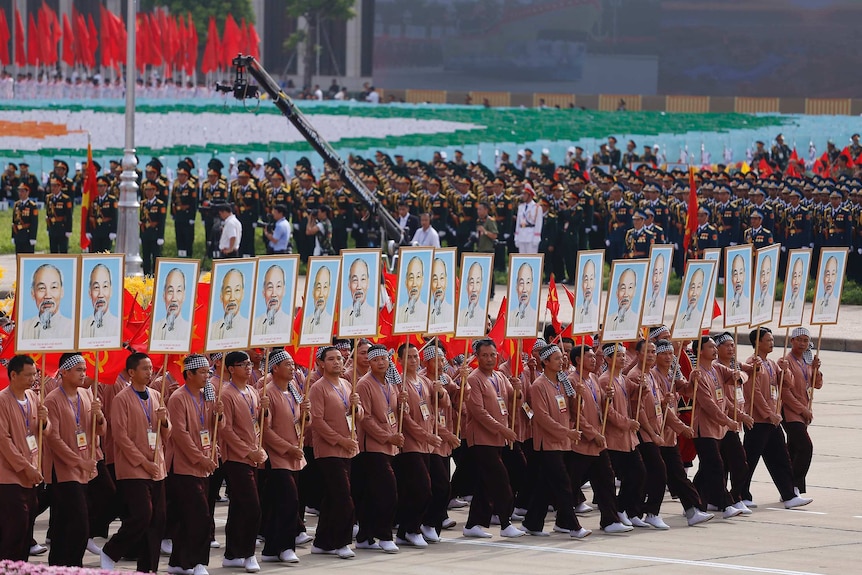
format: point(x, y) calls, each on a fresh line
point(498, 331)
point(191, 58)
point(691, 216)
point(212, 52)
point(34, 48)
point(68, 43)
point(92, 41)
point(253, 42)
point(20, 52)
point(553, 304)
point(89, 192)
point(4, 39)
point(230, 41)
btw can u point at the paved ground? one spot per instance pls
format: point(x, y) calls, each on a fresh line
point(823, 538)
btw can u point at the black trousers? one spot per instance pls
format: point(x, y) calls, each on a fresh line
point(101, 501)
point(552, 485)
point(598, 471)
point(16, 503)
point(656, 477)
point(710, 474)
point(185, 234)
point(213, 489)
point(767, 441)
point(630, 469)
point(800, 449)
point(335, 522)
point(191, 534)
point(22, 246)
point(436, 513)
point(493, 488)
point(414, 483)
point(282, 498)
point(375, 485)
point(58, 242)
point(143, 527)
point(677, 481)
point(101, 244)
point(71, 525)
point(150, 250)
point(515, 461)
point(465, 477)
point(310, 483)
point(243, 513)
point(735, 464)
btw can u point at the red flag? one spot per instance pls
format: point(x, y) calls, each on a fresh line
point(191, 57)
point(92, 41)
point(231, 39)
point(793, 165)
point(154, 41)
point(53, 33)
point(498, 330)
point(200, 317)
point(553, 304)
point(4, 39)
point(68, 43)
point(253, 42)
point(764, 168)
point(243, 36)
point(34, 48)
point(847, 156)
point(716, 309)
point(301, 355)
point(43, 26)
point(691, 216)
point(89, 192)
point(20, 53)
point(120, 38)
point(212, 52)
point(82, 39)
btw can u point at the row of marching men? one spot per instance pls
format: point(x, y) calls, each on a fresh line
point(368, 448)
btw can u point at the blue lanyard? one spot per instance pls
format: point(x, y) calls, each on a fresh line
point(25, 414)
point(802, 367)
point(592, 389)
point(556, 385)
point(76, 408)
point(418, 389)
point(147, 409)
point(493, 380)
point(387, 391)
point(652, 386)
point(622, 387)
point(769, 368)
point(250, 404)
point(341, 395)
point(288, 394)
point(199, 408)
point(713, 376)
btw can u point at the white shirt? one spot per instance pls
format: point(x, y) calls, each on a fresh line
point(427, 238)
point(373, 97)
point(231, 228)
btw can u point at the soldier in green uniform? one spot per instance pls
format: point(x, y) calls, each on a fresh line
point(152, 224)
point(58, 212)
point(184, 206)
point(757, 235)
point(639, 240)
point(102, 221)
point(25, 221)
point(246, 197)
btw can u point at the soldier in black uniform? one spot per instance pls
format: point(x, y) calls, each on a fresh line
point(58, 213)
point(757, 235)
point(780, 152)
point(246, 198)
point(102, 219)
point(213, 192)
point(797, 228)
point(152, 223)
point(705, 237)
point(9, 182)
point(25, 177)
point(153, 173)
point(439, 207)
point(836, 223)
point(184, 205)
point(25, 221)
point(639, 240)
point(549, 240)
point(342, 212)
point(464, 212)
point(306, 198)
point(571, 220)
point(503, 210)
point(619, 221)
point(654, 228)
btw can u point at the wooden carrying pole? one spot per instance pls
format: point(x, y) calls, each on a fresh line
point(262, 413)
point(610, 383)
point(581, 377)
point(95, 392)
point(461, 392)
point(214, 450)
point(158, 429)
point(781, 380)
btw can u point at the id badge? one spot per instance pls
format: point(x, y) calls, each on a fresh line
point(349, 417)
point(773, 391)
point(31, 443)
point(740, 395)
point(441, 419)
point(527, 409)
point(502, 404)
point(297, 425)
point(561, 403)
point(719, 393)
point(423, 409)
point(151, 439)
point(205, 439)
point(81, 440)
point(658, 409)
point(390, 417)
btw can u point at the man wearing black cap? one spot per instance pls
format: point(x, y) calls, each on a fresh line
point(213, 192)
point(61, 172)
point(153, 173)
point(246, 199)
point(152, 225)
point(8, 182)
point(25, 221)
point(639, 240)
point(184, 199)
point(25, 177)
point(58, 210)
point(757, 235)
point(102, 220)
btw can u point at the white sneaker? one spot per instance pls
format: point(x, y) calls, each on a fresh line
point(730, 511)
point(558, 529)
point(389, 547)
point(520, 511)
point(318, 551)
point(797, 502)
point(175, 570)
point(40, 549)
point(355, 530)
point(233, 563)
point(750, 504)
point(624, 518)
point(345, 553)
point(270, 559)
point(695, 516)
point(430, 534)
point(288, 556)
point(517, 517)
point(215, 544)
point(167, 547)
point(512, 532)
point(456, 503)
point(476, 531)
point(537, 533)
point(495, 520)
point(583, 507)
point(105, 562)
point(580, 533)
point(617, 528)
point(467, 498)
point(638, 522)
point(251, 565)
point(370, 544)
point(200, 569)
point(312, 511)
point(796, 492)
point(741, 506)
point(412, 539)
point(449, 523)
point(302, 538)
point(91, 547)
point(711, 507)
point(656, 521)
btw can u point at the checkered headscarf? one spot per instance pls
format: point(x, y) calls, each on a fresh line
point(72, 361)
point(392, 376)
point(563, 379)
point(195, 361)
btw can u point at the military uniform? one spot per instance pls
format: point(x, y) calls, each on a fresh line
point(246, 200)
point(706, 237)
point(212, 194)
point(549, 240)
point(184, 205)
point(304, 200)
point(58, 213)
point(25, 225)
point(439, 209)
point(342, 218)
point(836, 226)
point(618, 223)
point(152, 225)
point(102, 223)
point(572, 222)
point(465, 215)
point(759, 237)
point(503, 210)
point(638, 243)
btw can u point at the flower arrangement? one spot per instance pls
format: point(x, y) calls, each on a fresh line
point(141, 288)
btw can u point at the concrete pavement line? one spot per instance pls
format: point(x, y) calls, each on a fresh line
point(797, 511)
point(643, 558)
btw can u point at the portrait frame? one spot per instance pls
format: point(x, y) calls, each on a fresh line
point(346, 326)
point(419, 324)
point(65, 321)
point(181, 343)
point(113, 322)
point(585, 319)
point(289, 265)
point(653, 312)
point(763, 305)
point(446, 325)
point(736, 315)
point(514, 329)
point(823, 312)
point(684, 328)
point(791, 315)
point(320, 333)
point(215, 339)
point(711, 255)
point(466, 325)
point(623, 328)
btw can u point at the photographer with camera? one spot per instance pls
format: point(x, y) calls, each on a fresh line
point(320, 226)
point(278, 233)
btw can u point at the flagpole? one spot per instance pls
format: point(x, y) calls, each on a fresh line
point(164, 403)
point(218, 399)
point(263, 391)
point(94, 391)
point(461, 392)
point(353, 390)
point(813, 379)
point(781, 382)
point(41, 402)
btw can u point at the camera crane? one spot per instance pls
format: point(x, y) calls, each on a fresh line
point(242, 90)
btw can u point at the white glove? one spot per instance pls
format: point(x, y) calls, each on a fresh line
point(160, 242)
point(112, 236)
point(587, 229)
point(595, 228)
point(254, 224)
point(733, 243)
point(442, 233)
point(783, 249)
point(608, 243)
point(676, 246)
point(68, 234)
point(296, 227)
point(858, 251)
point(89, 236)
point(811, 245)
point(191, 222)
point(32, 242)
